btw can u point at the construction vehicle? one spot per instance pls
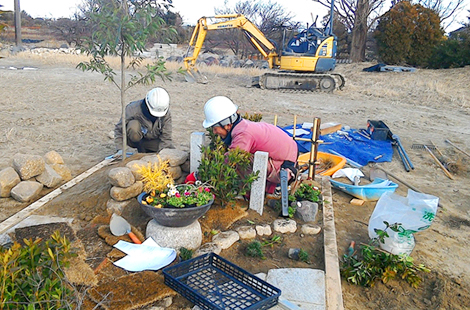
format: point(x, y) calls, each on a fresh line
point(304, 63)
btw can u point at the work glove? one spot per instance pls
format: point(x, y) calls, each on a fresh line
point(118, 154)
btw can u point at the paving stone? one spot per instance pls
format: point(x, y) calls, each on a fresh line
point(304, 287)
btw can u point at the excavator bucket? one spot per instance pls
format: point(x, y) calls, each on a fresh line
point(193, 75)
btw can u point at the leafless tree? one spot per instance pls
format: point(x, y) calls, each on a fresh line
point(447, 9)
point(358, 16)
point(269, 17)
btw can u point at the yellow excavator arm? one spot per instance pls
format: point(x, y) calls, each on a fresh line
point(257, 38)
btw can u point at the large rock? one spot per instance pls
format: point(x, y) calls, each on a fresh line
point(121, 177)
point(26, 191)
point(306, 211)
point(151, 159)
point(28, 166)
point(125, 193)
point(63, 171)
point(175, 172)
point(49, 178)
point(53, 157)
point(8, 179)
point(135, 166)
point(174, 156)
point(189, 237)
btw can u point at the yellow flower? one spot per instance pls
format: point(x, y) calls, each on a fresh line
point(158, 206)
point(152, 193)
point(162, 195)
point(149, 199)
point(143, 202)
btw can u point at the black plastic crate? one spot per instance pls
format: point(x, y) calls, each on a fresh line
point(378, 130)
point(212, 282)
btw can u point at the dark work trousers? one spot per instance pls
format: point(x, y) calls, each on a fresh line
point(135, 138)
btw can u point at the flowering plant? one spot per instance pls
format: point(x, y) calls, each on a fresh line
point(180, 196)
point(162, 192)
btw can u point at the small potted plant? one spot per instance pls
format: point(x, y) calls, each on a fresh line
point(169, 204)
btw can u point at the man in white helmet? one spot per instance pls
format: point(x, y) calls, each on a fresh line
point(148, 123)
point(221, 115)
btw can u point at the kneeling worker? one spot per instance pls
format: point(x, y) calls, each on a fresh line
point(148, 123)
point(221, 115)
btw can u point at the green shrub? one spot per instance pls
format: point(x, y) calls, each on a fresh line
point(451, 53)
point(227, 171)
point(185, 254)
point(32, 276)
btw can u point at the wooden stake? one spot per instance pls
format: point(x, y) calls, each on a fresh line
point(439, 163)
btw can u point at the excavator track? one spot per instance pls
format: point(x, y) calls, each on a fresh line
point(303, 82)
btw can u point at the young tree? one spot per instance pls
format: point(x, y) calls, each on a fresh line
point(121, 28)
point(408, 34)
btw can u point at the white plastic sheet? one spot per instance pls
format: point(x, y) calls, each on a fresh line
point(146, 256)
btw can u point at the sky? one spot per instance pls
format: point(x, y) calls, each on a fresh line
point(190, 10)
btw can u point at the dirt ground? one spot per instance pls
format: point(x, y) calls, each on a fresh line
point(58, 107)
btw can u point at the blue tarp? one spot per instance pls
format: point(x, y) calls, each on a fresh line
point(360, 149)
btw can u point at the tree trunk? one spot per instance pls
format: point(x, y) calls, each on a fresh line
point(359, 32)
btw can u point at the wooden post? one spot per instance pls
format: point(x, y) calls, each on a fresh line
point(17, 23)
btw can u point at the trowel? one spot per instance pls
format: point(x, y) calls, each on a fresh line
point(119, 226)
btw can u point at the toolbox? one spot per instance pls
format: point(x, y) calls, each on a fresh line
point(212, 282)
point(378, 130)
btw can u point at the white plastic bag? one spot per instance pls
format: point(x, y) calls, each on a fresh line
point(414, 213)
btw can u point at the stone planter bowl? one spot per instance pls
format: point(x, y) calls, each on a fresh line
point(174, 217)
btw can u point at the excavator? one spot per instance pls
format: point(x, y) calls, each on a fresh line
point(304, 63)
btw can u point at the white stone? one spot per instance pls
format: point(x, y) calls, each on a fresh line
point(310, 229)
point(9, 178)
point(49, 178)
point(226, 239)
point(26, 191)
point(246, 232)
point(263, 230)
point(209, 247)
point(174, 156)
point(284, 226)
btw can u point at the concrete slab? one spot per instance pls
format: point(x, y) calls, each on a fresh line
point(302, 288)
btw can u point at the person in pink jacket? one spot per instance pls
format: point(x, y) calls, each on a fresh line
point(221, 115)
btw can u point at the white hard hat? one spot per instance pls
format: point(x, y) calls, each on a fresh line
point(158, 101)
point(217, 109)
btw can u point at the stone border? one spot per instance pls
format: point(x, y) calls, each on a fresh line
point(24, 213)
point(333, 291)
